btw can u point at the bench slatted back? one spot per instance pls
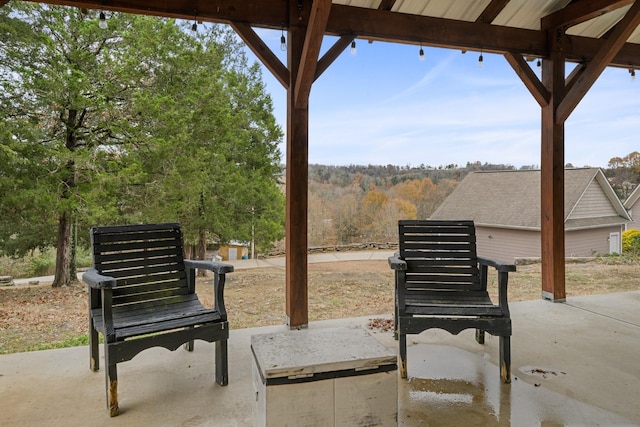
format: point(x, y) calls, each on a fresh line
point(440, 255)
point(147, 260)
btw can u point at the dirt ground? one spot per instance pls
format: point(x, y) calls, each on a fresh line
point(38, 317)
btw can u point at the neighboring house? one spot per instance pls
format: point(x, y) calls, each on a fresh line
point(506, 209)
point(633, 208)
point(233, 251)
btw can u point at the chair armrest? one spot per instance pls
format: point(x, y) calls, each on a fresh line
point(216, 267)
point(220, 273)
point(503, 279)
point(397, 263)
point(96, 280)
point(498, 265)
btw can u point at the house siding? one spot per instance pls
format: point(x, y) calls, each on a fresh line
point(506, 244)
point(585, 243)
point(505, 206)
point(635, 216)
point(593, 203)
point(509, 245)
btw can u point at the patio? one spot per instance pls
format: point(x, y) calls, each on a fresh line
point(574, 363)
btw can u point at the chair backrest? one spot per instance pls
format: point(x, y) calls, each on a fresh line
point(147, 260)
point(440, 255)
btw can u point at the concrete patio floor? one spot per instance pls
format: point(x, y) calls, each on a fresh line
point(575, 363)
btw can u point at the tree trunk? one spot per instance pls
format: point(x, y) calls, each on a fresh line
point(63, 252)
point(73, 263)
point(202, 250)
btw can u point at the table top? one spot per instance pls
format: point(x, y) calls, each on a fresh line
point(305, 352)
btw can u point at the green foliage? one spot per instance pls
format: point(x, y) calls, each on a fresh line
point(618, 259)
point(41, 263)
point(624, 173)
point(65, 94)
point(71, 341)
point(213, 161)
point(631, 241)
point(141, 122)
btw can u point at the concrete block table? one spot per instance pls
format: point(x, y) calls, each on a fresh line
point(324, 377)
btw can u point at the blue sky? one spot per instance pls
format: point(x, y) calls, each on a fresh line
point(385, 106)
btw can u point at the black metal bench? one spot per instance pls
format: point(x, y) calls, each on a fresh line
point(440, 282)
point(142, 295)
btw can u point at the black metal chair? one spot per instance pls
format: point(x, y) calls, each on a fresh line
point(440, 282)
point(142, 295)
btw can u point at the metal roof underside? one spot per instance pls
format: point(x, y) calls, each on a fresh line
point(525, 14)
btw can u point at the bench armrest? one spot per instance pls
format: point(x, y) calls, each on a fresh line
point(397, 263)
point(503, 279)
point(96, 280)
point(220, 270)
point(498, 265)
point(216, 267)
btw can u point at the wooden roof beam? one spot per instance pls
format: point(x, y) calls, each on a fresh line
point(529, 78)
point(312, 42)
point(492, 11)
point(581, 11)
point(607, 51)
point(262, 51)
point(332, 54)
point(386, 4)
point(264, 13)
point(396, 27)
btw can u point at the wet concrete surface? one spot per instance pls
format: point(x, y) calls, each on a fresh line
point(453, 387)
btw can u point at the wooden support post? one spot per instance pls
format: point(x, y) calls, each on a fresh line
point(297, 187)
point(552, 179)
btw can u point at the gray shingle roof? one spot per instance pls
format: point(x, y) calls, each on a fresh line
point(633, 198)
point(511, 199)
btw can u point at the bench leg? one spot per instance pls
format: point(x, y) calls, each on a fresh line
point(111, 376)
point(505, 359)
point(94, 354)
point(395, 322)
point(402, 342)
point(188, 345)
point(222, 371)
point(480, 336)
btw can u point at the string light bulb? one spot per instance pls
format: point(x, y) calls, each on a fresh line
point(632, 73)
point(102, 21)
point(480, 60)
point(283, 41)
point(539, 63)
point(194, 26)
point(352, 51)
point(421, 53)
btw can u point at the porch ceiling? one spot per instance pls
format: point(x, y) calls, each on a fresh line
point(499, 26)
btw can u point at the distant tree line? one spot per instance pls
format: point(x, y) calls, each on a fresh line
point(624, 174)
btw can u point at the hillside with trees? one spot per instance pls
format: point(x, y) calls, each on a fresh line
point(356, 204)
